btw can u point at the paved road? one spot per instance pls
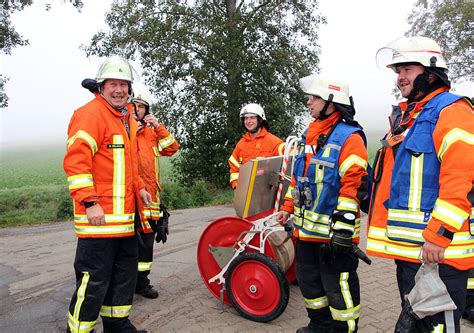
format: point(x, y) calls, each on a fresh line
point(37, 281)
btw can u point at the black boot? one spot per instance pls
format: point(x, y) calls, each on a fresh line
point(306, 329)
point(469, 315)
point(147, 292)
point(119, 325)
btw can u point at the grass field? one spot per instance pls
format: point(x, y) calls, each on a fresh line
point(33, 187)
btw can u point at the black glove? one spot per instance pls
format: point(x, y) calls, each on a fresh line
point(162, 231)
point(91, 85)
point(409, 322)
point(341, 239)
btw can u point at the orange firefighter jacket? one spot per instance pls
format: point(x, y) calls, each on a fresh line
point(265, 144)
point(100, 164)
point(153, 143)
point(352, 166)
point(453, 138)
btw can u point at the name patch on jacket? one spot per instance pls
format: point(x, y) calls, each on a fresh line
point(116, 145)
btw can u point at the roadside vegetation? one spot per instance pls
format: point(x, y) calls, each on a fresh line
point(33, 187)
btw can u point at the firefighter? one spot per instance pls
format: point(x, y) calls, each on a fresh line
point(424, 174)
point(154, 140)
point(100, 164)
point(328, 184)
point(256, 142)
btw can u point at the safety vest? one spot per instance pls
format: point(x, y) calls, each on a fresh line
point(415, 185)
point(414, 191)
point(322, 178)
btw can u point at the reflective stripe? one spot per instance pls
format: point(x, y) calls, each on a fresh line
point(166, 142)
point(80, 326)
point(81, 134)
point(104, 230)
point(321, 162)
point(144, 266)
point(349, 162)
point(408, 216)
point(377, 241)
point(438, 329)
point(347, 296)
point(333, 146)
point(109, 218)
point(77, 325)
point(234, 162)
point(281, 148)
point(416, 182)
point(346, 314)
point(316, 303)
point(449, 214)
point(119, 176)
point(310, 149)
point(234, 176)
point(470, 283)
point(317, 225)
point(343, 226)
point(80, 181)
point(454, 135)
point(115, 311)
point(347, 204)
point(288, 192)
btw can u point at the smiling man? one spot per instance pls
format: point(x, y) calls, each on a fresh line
point(422, 204)
point(100, 164)
point(256, 142)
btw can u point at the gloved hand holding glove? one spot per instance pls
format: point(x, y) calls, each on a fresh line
point(342, 227)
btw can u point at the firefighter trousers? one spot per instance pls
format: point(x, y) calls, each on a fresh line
point(469, 311)
point(106, 272)
point(454, 279)
point(330, 289)
point(145, 259)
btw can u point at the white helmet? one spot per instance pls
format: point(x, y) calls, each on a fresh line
point(253, 109)
point(141, 94)
point(324, 87)
point(116, 68)
point(422, 50)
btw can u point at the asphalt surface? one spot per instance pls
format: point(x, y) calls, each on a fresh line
point(37, 281)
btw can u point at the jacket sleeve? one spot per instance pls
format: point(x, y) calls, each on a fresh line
point(84, 138)
point(353, 173)
point(288, 204)
point(234, 166)
point(454, 143)
point(279, 146)
point(167, 143)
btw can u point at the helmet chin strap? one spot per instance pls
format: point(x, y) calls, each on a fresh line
point(322, 114)
point(421, 84)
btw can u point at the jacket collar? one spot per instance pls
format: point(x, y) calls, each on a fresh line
point(323, 125)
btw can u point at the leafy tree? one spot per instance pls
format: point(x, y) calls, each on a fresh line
point(10, 38)
point(450, 23)
point(204, 60)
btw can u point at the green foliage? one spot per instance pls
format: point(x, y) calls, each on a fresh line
point(33, 187)
point(32, 205)
point(32, 166)
point(176, 196)
point(449, 22)
point(203, 60)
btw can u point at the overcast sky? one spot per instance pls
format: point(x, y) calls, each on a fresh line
point(44, 86)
